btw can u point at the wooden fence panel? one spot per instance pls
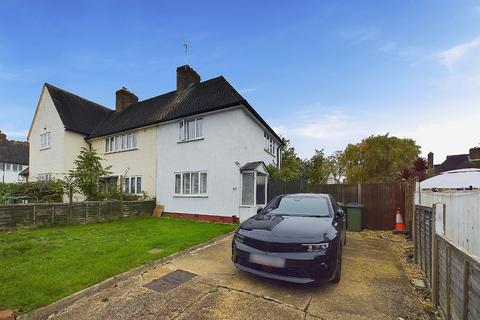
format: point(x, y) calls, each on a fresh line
point(63, 213)
point(458, 273)
point(380, 200)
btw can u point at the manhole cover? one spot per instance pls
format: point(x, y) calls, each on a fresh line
point(170, 281)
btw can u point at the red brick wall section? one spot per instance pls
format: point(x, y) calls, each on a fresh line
point(202, 217)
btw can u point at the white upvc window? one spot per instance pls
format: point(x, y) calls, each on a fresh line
point(270, 145)
point(191, 183)
point(44, 177)
point(132, 184)
point(190, 129)
point(45, 140)
point(121, 142)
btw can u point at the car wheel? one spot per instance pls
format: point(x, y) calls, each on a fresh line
point(338, 273)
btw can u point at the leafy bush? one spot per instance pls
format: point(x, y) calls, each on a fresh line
point(38, 191)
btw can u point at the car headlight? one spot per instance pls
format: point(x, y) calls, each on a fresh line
point(312, 247)
point(239, 238)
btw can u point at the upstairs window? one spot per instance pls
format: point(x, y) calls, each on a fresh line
point(45, 140)
point(122, 142)
point(191, 129)
point(191, 183)
point(270, 145)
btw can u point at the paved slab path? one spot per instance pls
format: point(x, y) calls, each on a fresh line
point(373, 287)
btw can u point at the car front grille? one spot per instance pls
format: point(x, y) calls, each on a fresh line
point(274, 246)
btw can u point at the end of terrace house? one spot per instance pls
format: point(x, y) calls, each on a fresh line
point(201, 150)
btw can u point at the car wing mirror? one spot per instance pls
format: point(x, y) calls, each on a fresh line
point(259, 210)
point(340, 214)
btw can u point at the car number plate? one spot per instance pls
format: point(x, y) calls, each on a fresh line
point(267, 260)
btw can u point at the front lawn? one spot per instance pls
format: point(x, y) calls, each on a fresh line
point(40, 266)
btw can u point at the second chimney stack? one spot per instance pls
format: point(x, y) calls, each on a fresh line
point(124, 98)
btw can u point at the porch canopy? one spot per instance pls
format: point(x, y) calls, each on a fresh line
point(254, 184)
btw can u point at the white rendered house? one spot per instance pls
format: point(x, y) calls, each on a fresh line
point(201, 150)
point(13, 159)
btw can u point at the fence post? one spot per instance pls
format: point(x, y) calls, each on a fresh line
point(449, 289)
point(414, 235)
point(434, 258)
point(359, 193)
point(70, 203)
point(121, 196)
point(466, 275)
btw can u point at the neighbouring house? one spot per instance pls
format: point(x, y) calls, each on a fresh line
point(13, 159)
point(455, 161)
point(201, 150)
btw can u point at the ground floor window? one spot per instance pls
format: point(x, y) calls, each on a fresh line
point(191, 183)
point(109, 184)
point(132, 185)
point(44, 177)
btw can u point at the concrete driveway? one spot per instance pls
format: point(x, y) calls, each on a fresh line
point(373, 287)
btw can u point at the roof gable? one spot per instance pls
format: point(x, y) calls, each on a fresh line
point(77, 114)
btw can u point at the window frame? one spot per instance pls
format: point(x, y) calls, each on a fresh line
point(45, 140)
point(270, 145)
point(200, 174)
point(120, 142)
point(255, 174)
point(183, 125)
point(132, 181)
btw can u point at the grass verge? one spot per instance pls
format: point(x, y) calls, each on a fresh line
point(40, 266)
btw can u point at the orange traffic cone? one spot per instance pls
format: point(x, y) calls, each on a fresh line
point(399, 224)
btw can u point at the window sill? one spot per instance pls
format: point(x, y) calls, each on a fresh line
point(196, 139)
point(273, 155)
point(46, 148)
point(247, 206)
point(131, 149)
point(190, 196)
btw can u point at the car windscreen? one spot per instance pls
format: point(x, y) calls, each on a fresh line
point(301, 206)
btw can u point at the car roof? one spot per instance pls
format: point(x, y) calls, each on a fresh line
point(309, 195)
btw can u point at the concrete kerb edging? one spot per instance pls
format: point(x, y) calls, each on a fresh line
point(44, 312)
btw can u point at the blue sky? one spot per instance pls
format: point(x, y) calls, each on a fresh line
point(322, 73)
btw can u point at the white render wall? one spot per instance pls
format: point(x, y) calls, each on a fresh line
point(138, 162)
point(232, 138)
point(50, 160)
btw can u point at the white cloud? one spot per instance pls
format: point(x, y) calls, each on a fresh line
point(450, 57)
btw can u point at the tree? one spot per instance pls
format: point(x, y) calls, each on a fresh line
point(85, 177)
point(336, 166)
point(315, 169)
point(378, 158)
point(291, 164)
point(420, 166)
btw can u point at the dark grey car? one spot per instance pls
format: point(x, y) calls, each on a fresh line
point(296, 238)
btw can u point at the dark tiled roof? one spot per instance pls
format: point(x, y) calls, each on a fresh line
point(77, 114)
point(14, 151)
point(252, 166)
point(453, 162)
point(206, 96)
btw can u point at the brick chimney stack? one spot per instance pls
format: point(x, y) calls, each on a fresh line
point(430, 162)
point(474, 154)
point(3, 136)
point(124, 98)
point(185, 77)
